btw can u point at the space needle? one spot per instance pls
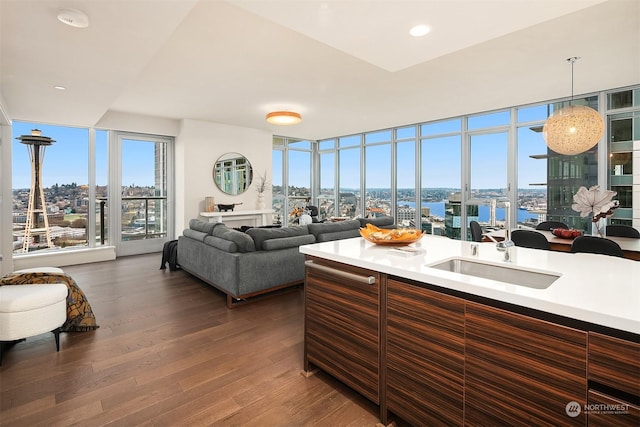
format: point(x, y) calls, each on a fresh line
point(36, 144)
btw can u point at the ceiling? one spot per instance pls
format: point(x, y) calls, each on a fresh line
point(347, 66)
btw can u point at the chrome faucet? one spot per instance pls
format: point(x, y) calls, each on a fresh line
point(506, 245)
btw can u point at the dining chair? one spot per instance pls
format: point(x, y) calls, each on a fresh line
point(548, 225)
point(529, 239)
point(476, 231)
point(596, 245)
point(622, 231)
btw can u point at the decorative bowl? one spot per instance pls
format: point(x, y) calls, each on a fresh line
point(391, 237)
point(564, 233)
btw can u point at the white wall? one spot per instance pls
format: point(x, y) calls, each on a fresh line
point(138, 123)
point(198, 146)
point(6, 238)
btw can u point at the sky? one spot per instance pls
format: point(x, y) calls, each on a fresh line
point(66, 160)
point(440, 155)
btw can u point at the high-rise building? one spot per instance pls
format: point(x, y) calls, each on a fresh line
point(453, 215)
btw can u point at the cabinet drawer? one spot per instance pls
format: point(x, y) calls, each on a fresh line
point(604, 410)
point(615, 363)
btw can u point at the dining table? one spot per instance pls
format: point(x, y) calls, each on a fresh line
point(629, 245)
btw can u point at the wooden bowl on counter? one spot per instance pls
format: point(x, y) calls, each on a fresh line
point(392, 237)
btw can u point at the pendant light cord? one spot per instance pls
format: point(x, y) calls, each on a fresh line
point(572, 60)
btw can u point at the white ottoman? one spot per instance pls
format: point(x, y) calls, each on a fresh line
point(29, 310)
point(53, 270)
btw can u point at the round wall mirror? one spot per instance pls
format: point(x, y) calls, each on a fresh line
point(232, 173)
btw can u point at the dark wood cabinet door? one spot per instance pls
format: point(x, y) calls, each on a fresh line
point(522, 371)
point(424, 355)
point(614, 363)
point(342, 332)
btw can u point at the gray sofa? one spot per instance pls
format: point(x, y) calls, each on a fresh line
point(258, 261)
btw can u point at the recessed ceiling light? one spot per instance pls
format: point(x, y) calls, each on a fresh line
point(73, 18)
point(419, 30)
point(58, 87)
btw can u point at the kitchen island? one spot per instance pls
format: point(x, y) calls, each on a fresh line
point(433, 346)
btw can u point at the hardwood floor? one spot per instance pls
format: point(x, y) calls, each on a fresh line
point(169, 353)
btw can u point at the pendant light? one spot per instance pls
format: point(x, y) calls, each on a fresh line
point(574, 129)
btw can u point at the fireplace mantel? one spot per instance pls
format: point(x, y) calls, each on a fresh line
point(257, 217)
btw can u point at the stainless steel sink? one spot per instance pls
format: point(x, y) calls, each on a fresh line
point(512, 275)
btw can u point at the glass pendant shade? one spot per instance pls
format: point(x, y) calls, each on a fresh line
point(573, 130)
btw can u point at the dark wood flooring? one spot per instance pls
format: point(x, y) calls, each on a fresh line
point(169, 353)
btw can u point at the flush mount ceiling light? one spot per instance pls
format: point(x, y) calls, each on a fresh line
point(73, 18)
point(573, 129)
point(284, 118)
point(419, 30)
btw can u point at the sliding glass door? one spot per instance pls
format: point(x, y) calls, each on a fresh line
point(142, 200)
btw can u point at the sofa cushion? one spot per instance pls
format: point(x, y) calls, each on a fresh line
point(222, 244)
point(260, 235)
point(202, 226)
point(288, 242)
point(338, 235)
point(194, 234)
point(351, 227)
point(244, 242)
point(382, 222)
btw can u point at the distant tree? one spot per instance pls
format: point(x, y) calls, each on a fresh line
point(79, 223)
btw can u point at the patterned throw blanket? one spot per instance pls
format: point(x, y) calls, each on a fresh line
point(80, 317)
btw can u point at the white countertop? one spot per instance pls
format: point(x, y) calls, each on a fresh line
point(600, 289)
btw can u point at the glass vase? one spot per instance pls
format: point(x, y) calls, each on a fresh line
point(260, 201)
point(599, 228)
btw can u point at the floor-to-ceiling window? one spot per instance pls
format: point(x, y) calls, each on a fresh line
point(292, 174)
point(377, 196)
point(349, 177)
point(440, 186)
point(51, 204)
point(469, 166)
point(327, 179)
point(486, 179)
point(532, 165)
point(101, 185)
point(92, 184)
point(623, 124)
point(140, 210)
point(566, 174)
point(277, 181)
point(408, 209)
